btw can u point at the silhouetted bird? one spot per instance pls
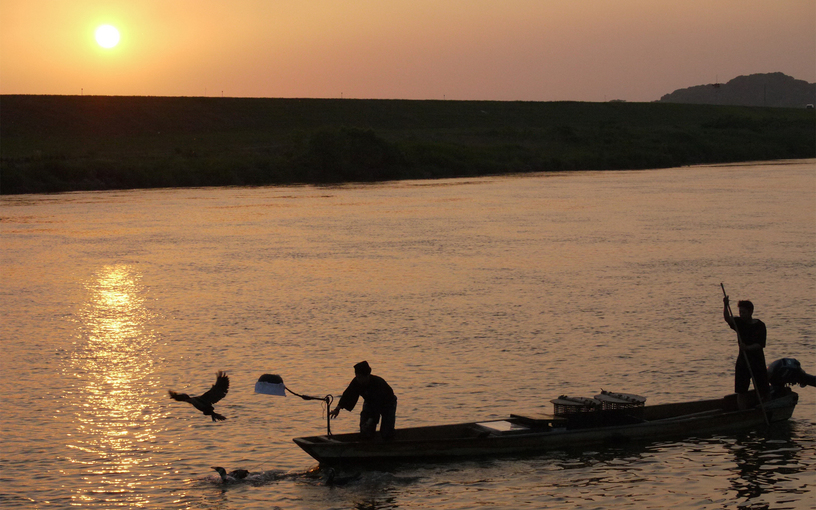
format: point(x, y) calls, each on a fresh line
point(332, 478)
point(233, 476)
point(205, 402)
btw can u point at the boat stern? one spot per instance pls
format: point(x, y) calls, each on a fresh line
point(780, 408)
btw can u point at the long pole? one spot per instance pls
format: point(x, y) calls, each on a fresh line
point(747, 362)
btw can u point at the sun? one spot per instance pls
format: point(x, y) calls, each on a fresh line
point(107, 36)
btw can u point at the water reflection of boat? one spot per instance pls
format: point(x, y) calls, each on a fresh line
point(565, 428)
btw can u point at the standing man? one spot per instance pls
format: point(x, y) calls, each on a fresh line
point(752, 335)
point(379, 401)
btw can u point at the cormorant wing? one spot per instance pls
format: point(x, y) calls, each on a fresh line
point(218, 390)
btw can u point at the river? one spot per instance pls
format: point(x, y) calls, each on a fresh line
point(474, 298)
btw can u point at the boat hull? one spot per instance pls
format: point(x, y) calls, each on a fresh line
point(520, 435)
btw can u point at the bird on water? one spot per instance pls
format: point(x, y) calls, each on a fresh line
point(204, 403)
point(233, 476)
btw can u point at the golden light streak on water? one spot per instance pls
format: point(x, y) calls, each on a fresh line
point(112, 361)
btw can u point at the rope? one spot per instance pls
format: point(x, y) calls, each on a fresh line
point(327, 401)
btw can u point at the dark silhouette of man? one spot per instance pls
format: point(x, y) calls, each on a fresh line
point(379, 402)
point(752, 337)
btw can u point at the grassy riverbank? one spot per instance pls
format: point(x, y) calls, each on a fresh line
point(65, 143)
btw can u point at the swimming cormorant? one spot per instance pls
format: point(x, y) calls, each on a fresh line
point(205, 402)
point(333, 480)
point(233, 476)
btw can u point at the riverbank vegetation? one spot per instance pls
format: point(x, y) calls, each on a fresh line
point(67, 143)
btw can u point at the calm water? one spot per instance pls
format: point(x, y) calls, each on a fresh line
point(474, 298)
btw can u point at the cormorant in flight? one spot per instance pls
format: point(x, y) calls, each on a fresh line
point(205, 402)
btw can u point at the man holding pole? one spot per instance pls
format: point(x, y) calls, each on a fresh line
point(751, 334)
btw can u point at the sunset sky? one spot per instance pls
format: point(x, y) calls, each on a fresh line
point(539, 50)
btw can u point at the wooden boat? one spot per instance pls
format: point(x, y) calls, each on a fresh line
point(529, 433)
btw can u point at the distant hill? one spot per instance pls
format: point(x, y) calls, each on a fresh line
point(771, 89)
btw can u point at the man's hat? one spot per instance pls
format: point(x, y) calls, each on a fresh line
point(362, 368)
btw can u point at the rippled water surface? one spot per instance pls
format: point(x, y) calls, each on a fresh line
point(474, 298)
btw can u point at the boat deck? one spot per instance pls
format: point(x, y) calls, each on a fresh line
point(537, 422)
point(537, 431)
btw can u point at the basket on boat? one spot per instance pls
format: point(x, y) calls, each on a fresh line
point(570, 405)
point(614, 401)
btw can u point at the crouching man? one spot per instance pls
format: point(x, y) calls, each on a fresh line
point(379, 402)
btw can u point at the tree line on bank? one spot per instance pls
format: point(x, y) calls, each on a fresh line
point(68, 143)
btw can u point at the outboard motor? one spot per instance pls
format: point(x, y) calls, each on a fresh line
point(787, 372)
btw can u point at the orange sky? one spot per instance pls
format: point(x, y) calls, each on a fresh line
point(539, 50)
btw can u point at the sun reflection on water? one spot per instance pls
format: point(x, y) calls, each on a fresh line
point(113, 366)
